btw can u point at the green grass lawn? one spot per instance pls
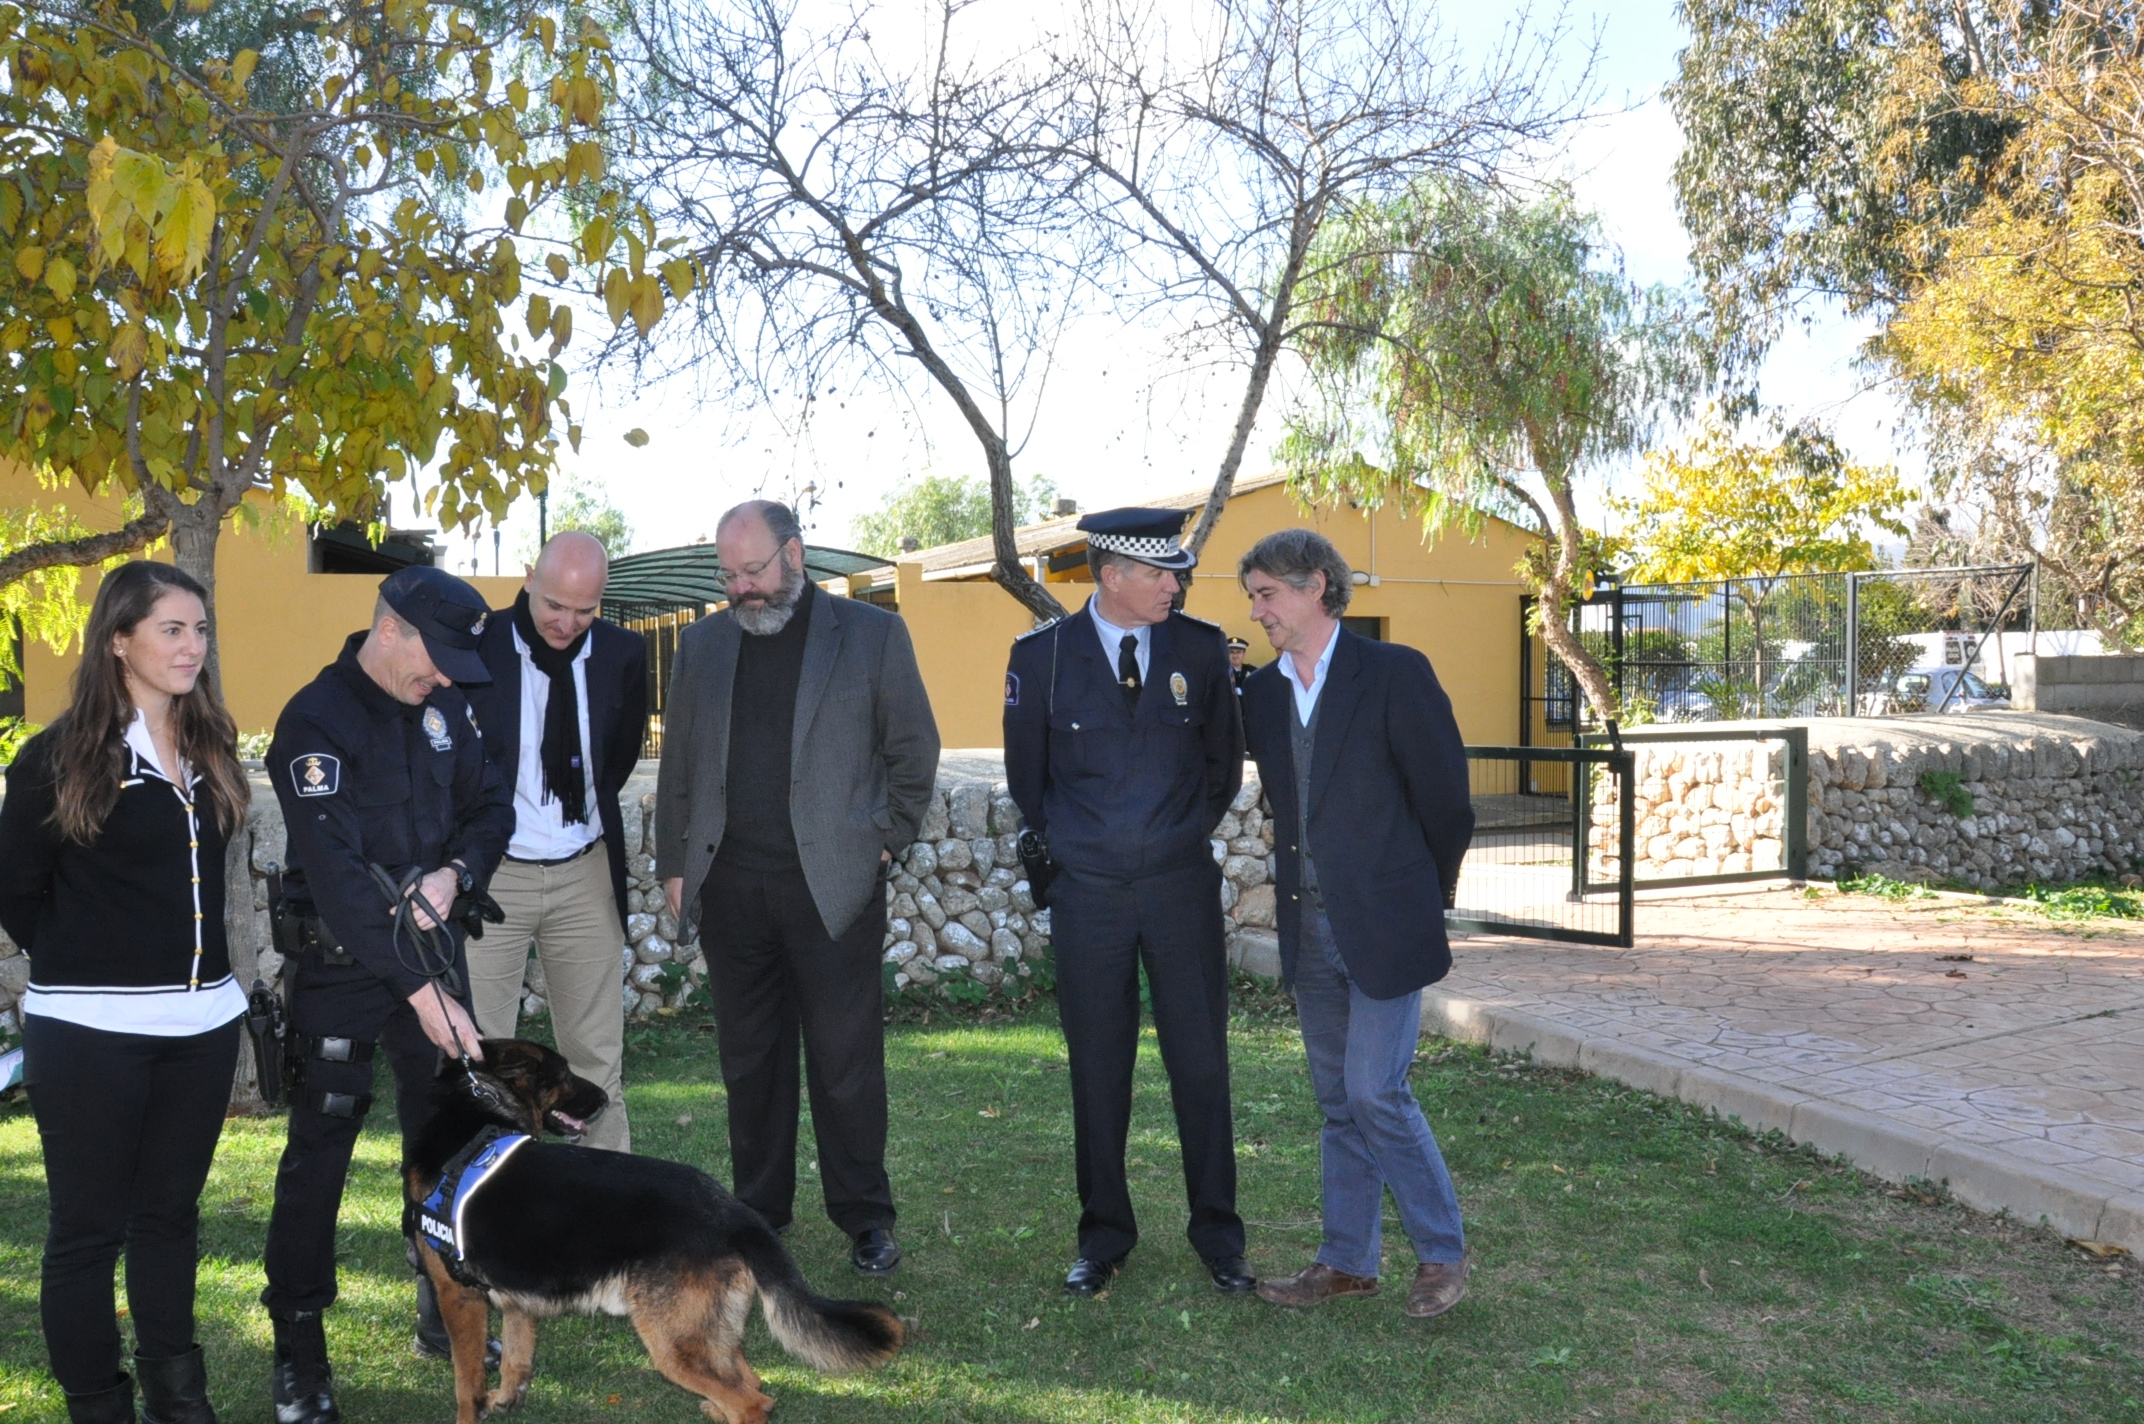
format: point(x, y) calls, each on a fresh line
point(1636, 1261)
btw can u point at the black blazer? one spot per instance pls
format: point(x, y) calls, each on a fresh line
point(617, 718)
point(1389, 815)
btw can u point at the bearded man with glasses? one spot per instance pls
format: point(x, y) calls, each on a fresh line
point(799, 753)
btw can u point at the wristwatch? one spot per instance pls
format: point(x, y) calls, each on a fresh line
point(464, 882)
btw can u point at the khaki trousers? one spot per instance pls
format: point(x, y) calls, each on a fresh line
point(569, 913)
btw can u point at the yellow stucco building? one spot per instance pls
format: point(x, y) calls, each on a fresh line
point(1455, 598)
point(283, 612)
point(278, 622)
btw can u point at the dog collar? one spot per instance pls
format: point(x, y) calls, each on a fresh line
point(440, 1216)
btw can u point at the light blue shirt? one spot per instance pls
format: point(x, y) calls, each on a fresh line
point(1113, 639)
point(1306, 698)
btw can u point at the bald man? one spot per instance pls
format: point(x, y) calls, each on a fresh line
point(563, 720)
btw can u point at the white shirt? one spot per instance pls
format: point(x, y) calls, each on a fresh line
point(159, 1010)
point(1113, 638)
point(541, 831)
point(1306, 698)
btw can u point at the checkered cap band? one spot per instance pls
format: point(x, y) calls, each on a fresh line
point(1139, 547)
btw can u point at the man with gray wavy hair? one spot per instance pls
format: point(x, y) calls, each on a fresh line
point(1363, 764)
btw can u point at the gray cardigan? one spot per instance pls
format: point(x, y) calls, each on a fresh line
point(863, 755)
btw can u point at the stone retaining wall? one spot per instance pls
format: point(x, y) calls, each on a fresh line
point(1987, 799)
point(958, 904)
point(2107, 687)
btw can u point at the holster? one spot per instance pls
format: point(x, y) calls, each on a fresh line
point(1041, 869)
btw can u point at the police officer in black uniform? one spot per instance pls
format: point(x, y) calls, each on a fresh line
point(376, 762)
point(1124, 748)
point(1239, 671)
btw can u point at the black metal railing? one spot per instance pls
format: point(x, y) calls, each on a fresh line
point(1525, 872)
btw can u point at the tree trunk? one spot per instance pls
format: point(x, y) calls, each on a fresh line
point(194, 528)
point(1553, 606)
point(1008, 572)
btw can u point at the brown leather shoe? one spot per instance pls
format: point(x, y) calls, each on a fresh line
point(1315, 1284)
point(1438, 1286)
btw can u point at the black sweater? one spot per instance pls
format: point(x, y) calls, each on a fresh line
point(763, 717)
point(121, 912)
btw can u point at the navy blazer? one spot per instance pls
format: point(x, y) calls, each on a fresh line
point(1389, 816)
point(617, 718)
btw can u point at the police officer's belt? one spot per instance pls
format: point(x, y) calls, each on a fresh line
point(439, 1217)
point(313, 933)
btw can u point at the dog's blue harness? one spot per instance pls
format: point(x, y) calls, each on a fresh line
point(440, 1215)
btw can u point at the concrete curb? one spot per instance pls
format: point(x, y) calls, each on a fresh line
point(1980, 1177)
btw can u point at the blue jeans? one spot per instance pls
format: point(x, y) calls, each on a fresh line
point(1375, 1135)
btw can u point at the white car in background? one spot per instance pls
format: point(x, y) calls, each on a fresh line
point(1924, 689)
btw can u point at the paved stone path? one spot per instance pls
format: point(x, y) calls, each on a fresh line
point(1856, 1025)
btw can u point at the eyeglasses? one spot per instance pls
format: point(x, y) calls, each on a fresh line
point(750, 571)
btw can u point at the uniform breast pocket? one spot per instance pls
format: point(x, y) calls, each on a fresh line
point(1074, 750)
point(1189, 715)
point(380, 800)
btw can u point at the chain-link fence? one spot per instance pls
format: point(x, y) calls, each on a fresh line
point(1798, 645)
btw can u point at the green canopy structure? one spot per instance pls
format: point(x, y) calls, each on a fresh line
point(690, 577)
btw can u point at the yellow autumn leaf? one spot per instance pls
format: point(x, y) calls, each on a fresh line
point(561, 328)
point(646, 302)
point(539, 315)
point(61, 330)
point(517, 94)
point(678, 273)
point(554, 264)
point(129, 350)
point(242, 66)
point(59, 276)
point(636, 437)
point(617, 295)
point(182, 242)
point(30, 263)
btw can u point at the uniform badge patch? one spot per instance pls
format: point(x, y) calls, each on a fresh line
point(316, 774)
point(435, 727)
point(1012, 689)
point(1180, 689)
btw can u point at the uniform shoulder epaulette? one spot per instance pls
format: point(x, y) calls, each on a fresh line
point(1037, 629)
point(1202, 622)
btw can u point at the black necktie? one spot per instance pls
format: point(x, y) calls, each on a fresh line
point(1128, 671)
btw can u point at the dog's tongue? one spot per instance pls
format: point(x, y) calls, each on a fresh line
point(569, 1121)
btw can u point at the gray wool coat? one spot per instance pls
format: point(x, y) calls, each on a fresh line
point(863, 755)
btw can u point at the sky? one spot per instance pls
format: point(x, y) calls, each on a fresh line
point(1122, 419)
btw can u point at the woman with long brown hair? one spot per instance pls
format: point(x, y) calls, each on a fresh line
point(112, 841)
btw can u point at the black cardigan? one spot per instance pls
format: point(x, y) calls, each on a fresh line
point(121, 912)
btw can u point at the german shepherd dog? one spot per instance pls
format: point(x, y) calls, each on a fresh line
point(557, 1228)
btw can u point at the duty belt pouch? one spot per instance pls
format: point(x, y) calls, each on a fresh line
point(318, 936)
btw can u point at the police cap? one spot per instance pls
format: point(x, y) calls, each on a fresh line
point(1239, 645)
point(1148, 535)
point(446, 612)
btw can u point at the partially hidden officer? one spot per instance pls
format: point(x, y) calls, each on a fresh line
point(1124, 748)
point(377, 761)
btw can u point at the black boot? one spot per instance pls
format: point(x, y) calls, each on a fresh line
point(432, 1342)
point(175, 1391)
point(106, 1406)
point(304, 1382)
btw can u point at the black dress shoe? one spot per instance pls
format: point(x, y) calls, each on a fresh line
point(876, 1253)
point(1232, 1275)
point(1091, 1277)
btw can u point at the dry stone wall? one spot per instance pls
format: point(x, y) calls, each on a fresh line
point(1987, 799)
point(958, 906)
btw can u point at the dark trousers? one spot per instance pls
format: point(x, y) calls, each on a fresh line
point(129, 1123)
point(1102, 933)
point(777, 977)
point(340, 1001)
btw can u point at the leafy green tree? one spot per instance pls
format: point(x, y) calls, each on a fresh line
point(206, 293)
point(1819, 136)
point(576, 502)
point(1475, 355)
point(944, 509)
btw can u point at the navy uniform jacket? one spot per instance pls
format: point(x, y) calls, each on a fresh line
point(1389, 816)
point(1122, 797)
point(362, 777)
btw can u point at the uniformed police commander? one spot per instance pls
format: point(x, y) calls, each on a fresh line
point(376, 762)
point(1123, 749)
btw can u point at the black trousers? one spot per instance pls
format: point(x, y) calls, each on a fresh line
point(777, 976)
point(129, 1123)
point(1171, 922)
point(339, 1001)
